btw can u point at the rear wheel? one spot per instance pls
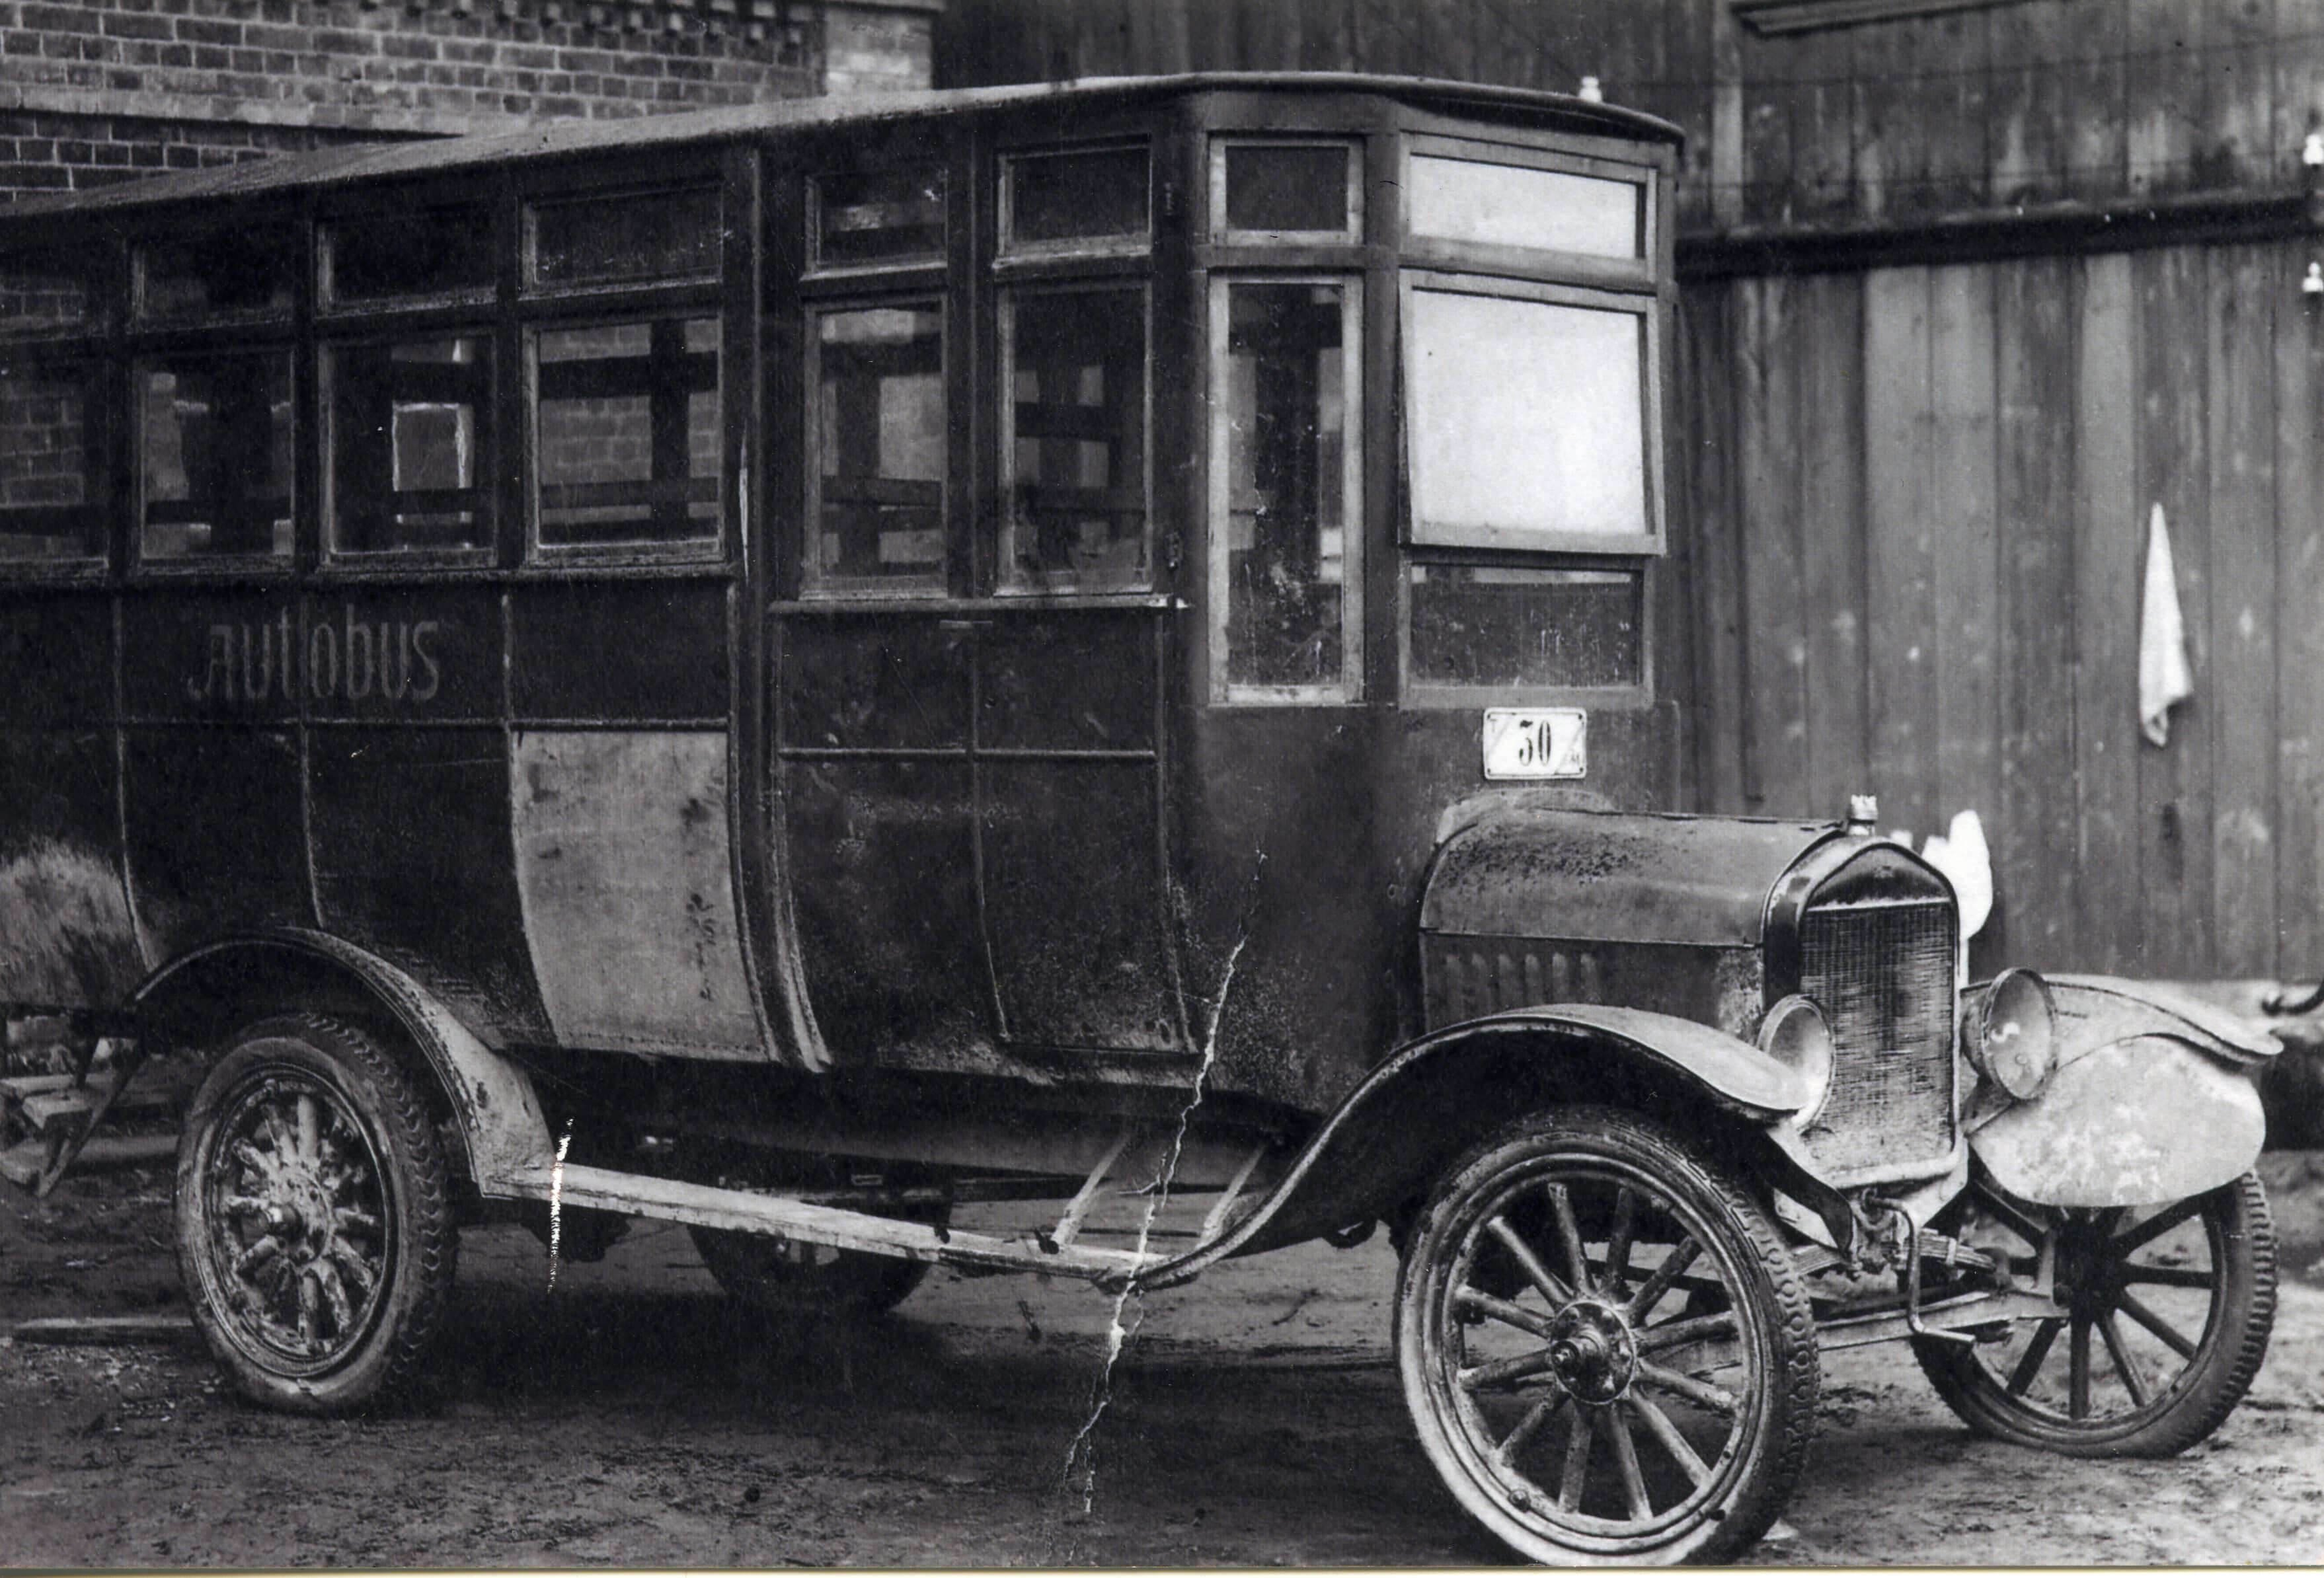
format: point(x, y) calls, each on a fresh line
point(2163, 1315)
point(1606, 1350)
point(314, 1232)
point(786, 1277)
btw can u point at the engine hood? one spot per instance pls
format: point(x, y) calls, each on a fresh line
point(1613, 877)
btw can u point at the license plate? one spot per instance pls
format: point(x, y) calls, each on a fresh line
point(1536, 742)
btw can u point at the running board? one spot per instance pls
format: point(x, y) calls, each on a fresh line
point(663, 1200)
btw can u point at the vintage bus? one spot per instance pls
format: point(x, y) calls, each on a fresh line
point(793, 669)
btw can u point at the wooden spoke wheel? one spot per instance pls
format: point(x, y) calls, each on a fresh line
point(1606, 1350)
point(789, 1278)
point(2163, 1315)
point(315, 1236)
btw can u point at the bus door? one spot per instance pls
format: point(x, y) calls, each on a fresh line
point(968, 726)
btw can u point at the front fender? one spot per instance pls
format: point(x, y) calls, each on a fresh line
point(2153, 1100)
point(1438, 1094)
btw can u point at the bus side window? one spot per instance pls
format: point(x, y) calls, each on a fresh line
point(213, 439)
point(628, 432)
point(408, 426)
point(1073, 432)
point(1287, 480)
point(879, 440)
point(46, 509)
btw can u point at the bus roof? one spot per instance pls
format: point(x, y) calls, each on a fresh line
point(564, 138)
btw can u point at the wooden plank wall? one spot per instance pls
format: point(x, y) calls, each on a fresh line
point(2026, 102)
point(1922, 562)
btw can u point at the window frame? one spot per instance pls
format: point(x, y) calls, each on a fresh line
point(813, 587)
point(1007, 248)
point(1004, 300)
point(141, 360)
point(1223, 234)
point(80, 358)
point(1635, 695)
point(490, 463)
point(614, 187)
point(1412, 533)
point(634, 307)
point(1218, 501)
point(1443, 253)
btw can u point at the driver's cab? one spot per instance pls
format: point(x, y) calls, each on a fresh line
point(1204, 488)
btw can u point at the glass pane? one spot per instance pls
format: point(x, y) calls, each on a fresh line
point(1288, 188)
point(1528, 418)
point(657, 235)
point(1077, 197)
point(629, 433)
point(44, 459)
point(1077, 450)
point(229, 271)
point(428, 252)
point(409, 425)
point(879, 444)
point(1509, 205)
point(214, 438)
point(1287, 455)
point(40, 293)
point(1479, 625)
point(880, 218)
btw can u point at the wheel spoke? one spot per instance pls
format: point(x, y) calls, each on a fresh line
point(253, 1158)
point(1568, 1233)
point(2135, 1307)
point(2133, 1379)
point(335, 1298)
point(311, 1128)
point(242, 1206)
point(1541, 1276)
point(1574, 1475)
point(310, 1305)
point(1671, 1333)
point(1617, 1241)
point(2026, 1227)
point(1650, 1292)
point(2077, 1386)
point(1701, 1393)
point(2153, 1227)
point(349, 1219)
point(256, 1255)
point(1625, 1458)
point(2029, 1363)
point(352, 1266)
point(1536, 1418)
point(1658, 1424)
point(2172, 1277)
point(1506, 1372)
point(1502, 1310)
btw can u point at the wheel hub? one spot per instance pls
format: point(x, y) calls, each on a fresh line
point(1591, 1351)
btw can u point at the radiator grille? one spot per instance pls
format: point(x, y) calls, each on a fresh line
point(1883, 974)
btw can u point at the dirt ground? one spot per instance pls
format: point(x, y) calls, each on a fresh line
point(632, 1416)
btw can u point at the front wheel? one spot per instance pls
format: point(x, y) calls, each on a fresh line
point(315, 1230)
point(2165, 1312)
point(1607, 1354)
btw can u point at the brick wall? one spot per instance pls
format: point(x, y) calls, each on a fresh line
point(106, 90)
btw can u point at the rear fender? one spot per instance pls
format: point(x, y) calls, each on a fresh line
point(201, 996)
point(1439, 1094)
point(2153, 1100)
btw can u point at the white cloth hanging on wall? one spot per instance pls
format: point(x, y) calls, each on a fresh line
point(2164, 677)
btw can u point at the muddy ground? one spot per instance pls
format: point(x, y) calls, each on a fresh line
point(632, 1416)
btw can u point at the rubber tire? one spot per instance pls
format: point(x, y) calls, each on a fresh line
point(2227, 1355)
point(1756, 1495)
point(749, 1266)
point(421, 1238)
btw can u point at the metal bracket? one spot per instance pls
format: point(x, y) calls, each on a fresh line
point(1908, 1232)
